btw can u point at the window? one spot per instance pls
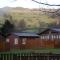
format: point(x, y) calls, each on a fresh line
point(24, 41)
point(47, 36)
point(16, 41)
point(7, 40)
point(42, 37)
point(57, 36)
point(52, 36)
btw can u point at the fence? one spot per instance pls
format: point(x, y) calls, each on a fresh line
point(30, 56)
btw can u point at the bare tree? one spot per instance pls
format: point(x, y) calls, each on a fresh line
point(42, 26)
point(46, 3)
point(54, 25)
point(22, 24)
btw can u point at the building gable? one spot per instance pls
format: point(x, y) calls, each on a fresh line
point(52, 31)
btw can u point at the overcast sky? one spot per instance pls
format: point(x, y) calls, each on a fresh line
point(27, 3)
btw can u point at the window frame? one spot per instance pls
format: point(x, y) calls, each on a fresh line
point(24, 41)
point(7, 40)
point(16, 41)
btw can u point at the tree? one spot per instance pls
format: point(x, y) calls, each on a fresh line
point(42, 26)
point(7, 28)
point(54, 25)
point(22, 24)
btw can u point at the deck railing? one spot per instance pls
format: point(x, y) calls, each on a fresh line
point(30, 56)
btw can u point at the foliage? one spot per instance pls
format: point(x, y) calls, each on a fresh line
point(31, 17)
point(22, 24)
point(7, 27)
point(54, 25)
point(42, 26)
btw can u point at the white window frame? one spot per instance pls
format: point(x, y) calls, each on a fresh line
point(52, 36)
point(47, 36)
point(7, 40)
point(24, 41)
point(43, 37)
point(57, 36)
point(16, 41)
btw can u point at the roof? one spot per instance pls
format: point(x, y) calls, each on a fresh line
point(58, 30)
point(26, 34)
point(54, 29)
point(2, 34)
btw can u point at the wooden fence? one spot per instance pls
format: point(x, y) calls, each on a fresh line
point(30, 56)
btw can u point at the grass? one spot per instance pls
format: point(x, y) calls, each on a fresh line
point(33, 50)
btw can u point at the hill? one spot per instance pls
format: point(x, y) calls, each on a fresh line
point(32, 17)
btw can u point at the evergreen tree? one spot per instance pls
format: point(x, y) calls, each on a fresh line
point(7, 28)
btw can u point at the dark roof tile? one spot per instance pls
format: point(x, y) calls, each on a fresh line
point(26, 34)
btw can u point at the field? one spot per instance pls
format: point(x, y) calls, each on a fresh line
point(34, 50)
point(30, 16)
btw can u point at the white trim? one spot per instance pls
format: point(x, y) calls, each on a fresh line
point(16, 41)
point(52, 36)
point(47, 36)
point(24, 41)
point(7, 40)
point(59, 36)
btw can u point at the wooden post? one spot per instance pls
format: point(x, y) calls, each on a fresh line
point(14, 56)
point(2, 57)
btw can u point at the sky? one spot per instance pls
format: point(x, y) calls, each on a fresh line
point(28, 3)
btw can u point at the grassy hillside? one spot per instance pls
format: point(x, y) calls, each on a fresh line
point(31, 16)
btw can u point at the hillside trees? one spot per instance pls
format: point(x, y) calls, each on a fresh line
point(42, 26)
point(6, 16)
point(7, 28)
point(54, 25)
point(22, 24)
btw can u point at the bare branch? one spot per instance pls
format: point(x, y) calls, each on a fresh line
point(46, 3)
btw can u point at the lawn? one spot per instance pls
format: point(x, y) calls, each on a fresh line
point(33, 50)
